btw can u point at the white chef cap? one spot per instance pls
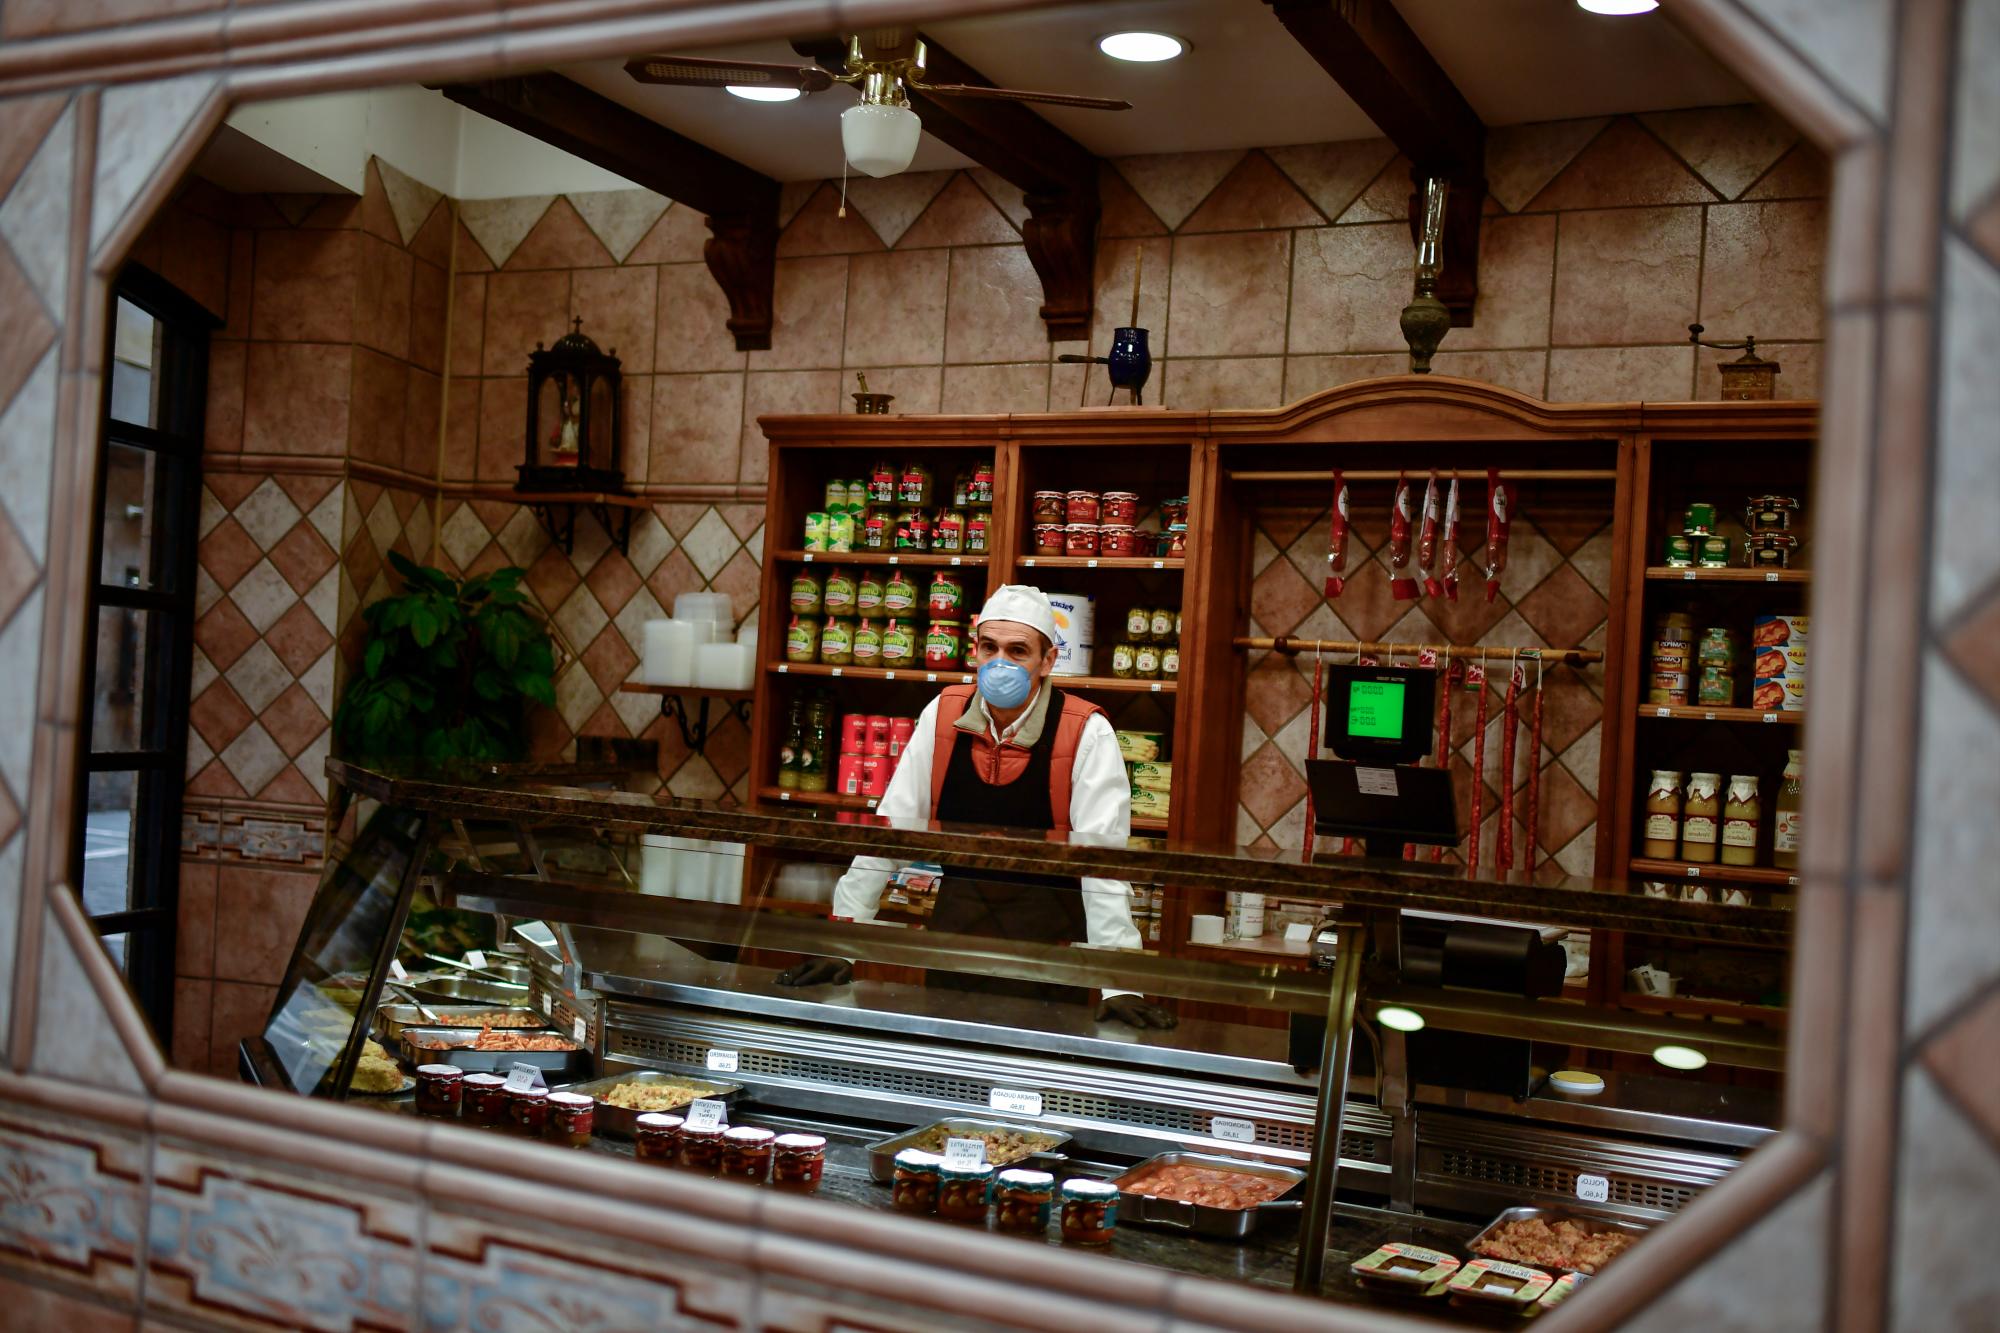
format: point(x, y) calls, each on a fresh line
point(1022, 604)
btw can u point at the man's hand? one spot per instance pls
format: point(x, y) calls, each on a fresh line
point(818, 972)
point(1131, 1009)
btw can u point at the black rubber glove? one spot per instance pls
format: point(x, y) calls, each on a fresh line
point(818, 972)
point(1134, 1010)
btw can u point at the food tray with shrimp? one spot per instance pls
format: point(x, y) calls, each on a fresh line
point(494, 1050)
point(1226, 1197)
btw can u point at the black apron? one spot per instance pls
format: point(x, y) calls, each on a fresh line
point(1039, 913)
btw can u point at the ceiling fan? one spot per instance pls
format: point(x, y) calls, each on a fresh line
point(879, 133)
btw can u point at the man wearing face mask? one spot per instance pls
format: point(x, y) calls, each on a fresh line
point(1016, 752)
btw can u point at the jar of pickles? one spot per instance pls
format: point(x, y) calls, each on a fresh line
point(868, 594)
point(900, 594)
point(836, 643)
point(915, 486)
point(944, 645)
point(1125, 661)
point(1139, 624)
point(1164, 624)
point(948, 531)
point(914, 1187)
point(485, 1098)
point(867, 643)
point(875, 531)
point(798, 1161)
point(913, 531)
point(977, 525)
point(1145, 661)
point(963, 1191)
point(701, 1148)
point(572, 1117)
point(883, 479)
point(947, 599)
point(1089, 1211)
point(1170, 661)
point(656, 1138)
point(1022, 1200)
point(439, 1089)
point(802, 639)
point(808, 592)
point(746, 1153)
point(980, 494)
point(836, 593)
point(899, 645)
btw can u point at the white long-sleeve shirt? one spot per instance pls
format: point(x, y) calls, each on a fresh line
point(1100, 802)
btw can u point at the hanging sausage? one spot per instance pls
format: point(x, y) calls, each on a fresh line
point(1336, 541)
point(1402, 530)
point(1448, 557)
point(1499, 511)
point(1535, 771)
point(1475, 675)
point(1503, 851)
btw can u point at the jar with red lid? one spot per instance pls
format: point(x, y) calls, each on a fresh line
point(1050, 507)
point(701, 1148)
point(1119, 507)
point(1117, 539)
point(876, 531)
point(948, 531)
point(1049, 539)
point(944, 645)
point(964, 1191)
point(656, 1138)
point(528, 1108)
point(572, 1117)
point(976, 525)
point(439, 1089)
point(485, 1098)
point(1080, 539)
point(798, 1161)
point(1081, 507)
point(746, 1153)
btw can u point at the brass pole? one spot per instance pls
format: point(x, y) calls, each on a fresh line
point(1284, 643)
point(1325, 474)
point(1330, 1111)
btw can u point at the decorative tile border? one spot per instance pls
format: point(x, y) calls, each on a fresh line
point(72, 1203)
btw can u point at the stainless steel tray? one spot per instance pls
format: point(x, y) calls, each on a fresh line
point(622, 1121)
point(1586, 1222)
point(1203, 1219)
point(463, 990)
point(392, 1019)
point(570, 1062)
point(882, 1156)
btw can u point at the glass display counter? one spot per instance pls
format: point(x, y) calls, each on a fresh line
point(1418, 1029)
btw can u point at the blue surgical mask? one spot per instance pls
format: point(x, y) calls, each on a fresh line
point(1005, 684)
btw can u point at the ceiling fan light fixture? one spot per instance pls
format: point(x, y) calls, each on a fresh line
point(755, 93)
point(1141, 47)
point(1619, 8)
point(879, 139)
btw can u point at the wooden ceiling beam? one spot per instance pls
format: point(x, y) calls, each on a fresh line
point(1371, 52)
point(1057, 175)
point(741, 205)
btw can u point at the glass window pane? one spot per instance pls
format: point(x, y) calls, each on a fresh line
point(134, 357)
point(115, 946)
point(117, 719)
point(108, 821)
point(131, 494)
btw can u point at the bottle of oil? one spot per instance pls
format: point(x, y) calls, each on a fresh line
point(1785, 830)
point(814, 747)
point(788, 754)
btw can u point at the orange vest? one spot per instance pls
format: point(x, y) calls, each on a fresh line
point(1002, 763)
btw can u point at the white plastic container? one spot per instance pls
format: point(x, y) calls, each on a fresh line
point(668, 653)
point(714, 607)
point(1076, 632)
point(720, 666)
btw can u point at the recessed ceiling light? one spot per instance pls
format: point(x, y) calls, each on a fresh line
point(1400, 1019)
point(1679, 1057)
point(1619, 8)
point(753, 93)
point(1141, 46)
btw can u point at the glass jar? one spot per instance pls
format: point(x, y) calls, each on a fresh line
point(961, 488)
point(1023, 1200)
point(1089, 1211)
point(798, 1161)
point(1146, 661)
point(867, 644)
point(746, 1153)
point(913, 531)
point(947, 599)
point(1701, 811)
point(701, 1148)
point(1742, 811)
point(900, 594)
point(944, 646)
point(875, 531)
point(868, 593)
point(1125, 661)
point(1119, 507)
point(656, 1138)
point(915, 487)
point(914, 1187)
point(1050, 507)
point(1163, 625)
point(528, 1109)
point(1170, 661)
point(1117, 539)
point(1174, 511)
point(948, 531)
point(980, 494)
point(808, 592)
point(485, 1098)
point(1177, 540)
point(1785, 828)
point(883, 478)
point(836, 643)
point(1081, 507)
point(439, 1089)
point(899, 645)
point(977, 525)
point(1663, 815)
point(964, 1191)
point(1080, 539)
point(572, 1117)
point(802, 639)
point(1139, 624)
point(837, 593)
point(1049, 539)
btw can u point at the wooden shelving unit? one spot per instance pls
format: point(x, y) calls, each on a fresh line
point(831, 799)
point(1720, 713)
point(1682, 574)
point(904, 676)
point(1643, 867)
point(1165, 562)
point(912, 559)
point(1691, 1006)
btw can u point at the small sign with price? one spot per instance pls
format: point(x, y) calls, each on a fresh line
point(721, 1062)
point(705, 1114)
point(522, 1077)
point(964, 1152)
point(1015, 1102)
point(1593, 1189)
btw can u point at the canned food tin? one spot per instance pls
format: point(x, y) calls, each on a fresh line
point(1080, 538)
point(1119, 507)
point(877, 739)
point(1770, 513)
point(1680, 551)
point(1667, 687)
point(875, 771)
point(815, 537)
point(900, 731)
point(1713, 553)
point(1700, 519)
point(1050, 506)
point(847, 775)
point(1081, 507)
point(837, 497)
point(857, 496)
point(1049, 539)
point(840, 532)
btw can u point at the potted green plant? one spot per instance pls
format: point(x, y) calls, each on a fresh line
point(449, 669)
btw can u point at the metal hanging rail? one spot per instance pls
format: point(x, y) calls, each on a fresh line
point(1285, 643)
point(1466, 474)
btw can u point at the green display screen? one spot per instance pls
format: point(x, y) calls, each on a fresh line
point(1375, 709)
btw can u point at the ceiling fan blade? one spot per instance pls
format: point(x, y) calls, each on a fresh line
point(700, 72)
point(1016, 95)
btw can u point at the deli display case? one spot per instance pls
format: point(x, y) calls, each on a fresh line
point(1294, 1123)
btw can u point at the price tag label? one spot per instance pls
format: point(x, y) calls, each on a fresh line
point(784, 668)
point(836, 671)
point(522, 1077)
point(1771, 576)
point(809, 557)
point(1233, 1130)
point(964, 1152)
point(1159, 564)
point(784, 796)
point(965, 680)
point(1156, 687)
point(1029, 562)
point(474, 958)
point(705, 1114)
point(1694, 872)
point(1791, 881)
point(955, 560)
point(895, 559)
point(548, 1003)
point(1092, 564)
point(1770, 717)
point(1593, 1189)
point(1015, 1102)
point(721, 1061)
point(931, 676)
point(1375, 781)
point(580, 1032)
point(1688, 576)
point(1663, 712)
point(1708, 716)
point(888, 675)
point(397, 971)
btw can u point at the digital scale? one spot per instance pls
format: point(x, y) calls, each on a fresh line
point(1378, 721)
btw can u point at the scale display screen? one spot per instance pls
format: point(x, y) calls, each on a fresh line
point(1375, 709)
